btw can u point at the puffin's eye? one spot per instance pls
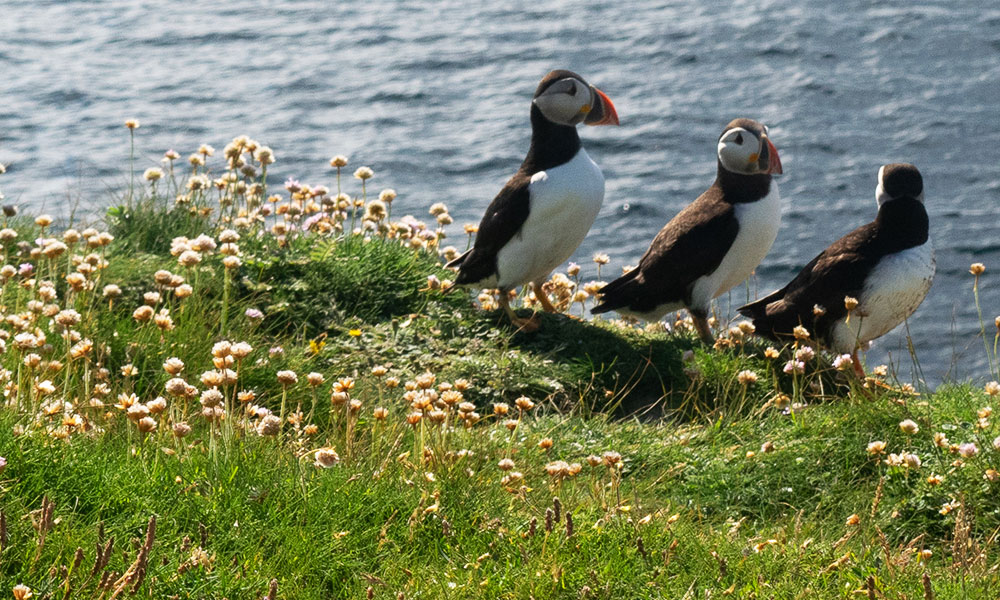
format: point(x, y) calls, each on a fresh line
point(572, 88)
point(739, 138)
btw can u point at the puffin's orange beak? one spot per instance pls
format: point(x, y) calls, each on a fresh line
point(773, 162)
point(603, 113)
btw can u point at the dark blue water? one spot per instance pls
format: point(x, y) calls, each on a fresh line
point(434, 96)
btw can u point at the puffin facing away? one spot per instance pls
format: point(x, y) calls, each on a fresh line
point(886, 265)
point(546, 209)
point(715, 242)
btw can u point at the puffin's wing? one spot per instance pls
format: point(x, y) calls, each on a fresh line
point(837, 272)
point(503, 220)
point(692, 244)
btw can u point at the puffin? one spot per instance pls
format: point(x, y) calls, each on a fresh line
point(712, 244)
point(546, 209)
point(887, 266)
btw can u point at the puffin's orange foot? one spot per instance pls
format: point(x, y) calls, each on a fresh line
point(858, 369)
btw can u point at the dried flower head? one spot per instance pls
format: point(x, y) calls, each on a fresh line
point(287, 378)
point(977, 269)
point(326, 458)
point(746, 377)
point(611, 459)
point(269, 426)
point(876, 448)
point(909, 426)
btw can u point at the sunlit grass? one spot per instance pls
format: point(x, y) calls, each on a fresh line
point(230, 390)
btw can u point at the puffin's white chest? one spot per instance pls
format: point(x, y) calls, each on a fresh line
point(759, 223)
point(892, 292)
point(564, 201)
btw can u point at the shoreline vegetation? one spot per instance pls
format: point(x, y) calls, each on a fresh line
point(242, 389)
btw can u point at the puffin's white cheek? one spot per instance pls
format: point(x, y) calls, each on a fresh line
point(880, 196)
point(561, 108)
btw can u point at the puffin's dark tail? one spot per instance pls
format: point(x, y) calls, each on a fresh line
point(756, 312)
point(766, 323)
point(615, 295)
point(457, 262)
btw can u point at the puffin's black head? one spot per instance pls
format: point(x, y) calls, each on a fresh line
point(745, 149)
point(899, 180)
point(564, 97)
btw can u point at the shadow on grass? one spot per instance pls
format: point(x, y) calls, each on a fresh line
point(643, 372)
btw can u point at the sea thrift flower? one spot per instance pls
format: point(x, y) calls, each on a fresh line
point(181, 429)
point(506, 464)
point(794, 366)
point(876, 448)
point(912, 461)
point(746, 377)
point(771, 352)
point(338, 161)
point(843, 362)
point(934, 479)
point(364, 173)
point(968, 450)
point(326, 458)
point(800, 333)
point(287, 378)
point(157, 405)
point(269, 426)
point(189, 258)
point(993, 388)
point(22, 592)
point(909, 426)
point(850, 303)
point(977, 269)
point(558, 468)
point(143, 313)
point(147, 424)
point(805, 353)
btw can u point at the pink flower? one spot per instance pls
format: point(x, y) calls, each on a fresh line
point(795, 366)
point(968, 450)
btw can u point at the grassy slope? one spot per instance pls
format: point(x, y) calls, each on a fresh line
point(378, 519)
point(331, 533)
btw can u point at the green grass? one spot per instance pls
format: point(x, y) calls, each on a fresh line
point(721, 490)
point(332, 533)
